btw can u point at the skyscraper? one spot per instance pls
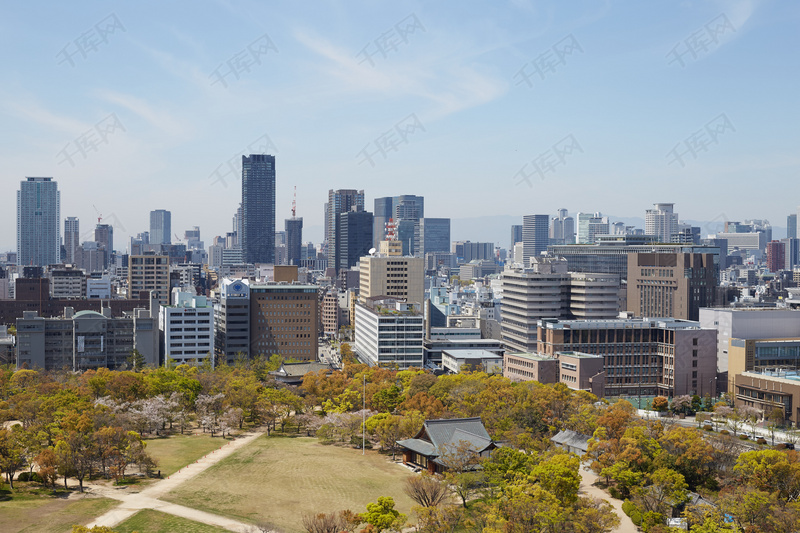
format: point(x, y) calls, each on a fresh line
point(535, 236)
point(294, 240)
point(104, 237)
point(405, 207)
point(38, 222)
point(160, 227)
point(71, 238)
point(258, 208)
point(562, 230)
point(353, 238)
point(661, 222)
point(434, 235)
point(339, 201)
point(516, 235)
point(791, 226)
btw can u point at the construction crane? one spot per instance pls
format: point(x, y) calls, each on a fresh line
point(99, 214)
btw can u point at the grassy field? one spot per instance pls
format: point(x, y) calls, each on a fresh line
point(277, 480)
point(175, 452)
point(149, 521)
point(33, 511)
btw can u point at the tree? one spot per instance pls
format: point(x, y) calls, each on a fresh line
point(665, 489)
point(426, 490)
point(681, 404)
point(136, 360)
point(325, 523)
point(382, 515)
point(460, 460)
point(660, 403)
point(775, 420)
point(48, 466)
point(11, 458)
point(559, 476)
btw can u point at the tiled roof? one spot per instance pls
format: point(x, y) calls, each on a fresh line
point(567, 437)
point(447, 435)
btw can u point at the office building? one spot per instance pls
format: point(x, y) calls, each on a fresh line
point(353, 238)
point(71, 238)
point(389, 333)
point(258, 208)
point(535, 236)
point(466, 251)
point(87, 339)
point(187, 327)
point(405, 207)
point(232, 321)
point(284, 320)
point(38, 222)
point(671, 285)
point(294, 240)
point(149, 272)
point(661, 221)
point(646, 357)
point(339, 201)
point(548, 290)
point(791, 248)
point(610, 253)
point(434, 235)
point(67, 282)
point(752, 241)
point(776, 256)
point(91, 257)
point(562, 228)
point(791, 226)
point(104, 237)
point(516, 235)
point(748, 323)
point(769, 389)
point(398, 277)
point(160, 227)
point(584, 234)
point(576, 370)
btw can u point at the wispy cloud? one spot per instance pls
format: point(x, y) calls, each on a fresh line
point(158, 118)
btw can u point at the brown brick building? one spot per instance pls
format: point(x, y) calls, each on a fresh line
point(284, 319)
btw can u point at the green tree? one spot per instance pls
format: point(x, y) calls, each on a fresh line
point(382, 515)
point(559, 476)
point(136, 361)
point(11, 452)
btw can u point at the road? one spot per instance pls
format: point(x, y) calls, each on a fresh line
point(133, 502)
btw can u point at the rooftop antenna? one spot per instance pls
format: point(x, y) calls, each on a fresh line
point(294, 202)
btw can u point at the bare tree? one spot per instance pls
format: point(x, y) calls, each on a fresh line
point(325, 523)
point(426, 490)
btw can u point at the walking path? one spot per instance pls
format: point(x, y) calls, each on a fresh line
point(588, 480)
point(133, 502)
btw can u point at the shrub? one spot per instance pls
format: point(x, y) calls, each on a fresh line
point(743, 437)
point(36, 477)
point(24, 476)
point(628, 507)
point(724, 432)
point(636, 518)
point(761, 440)
point(708, 427)
point(615, 493)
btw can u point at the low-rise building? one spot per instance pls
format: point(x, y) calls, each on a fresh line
point(768, 390)
point(187, 327)
point(454, 360)
point(389, 333)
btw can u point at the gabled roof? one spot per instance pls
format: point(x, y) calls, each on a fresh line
point(573, 439)
point(300, 369)
point(439, 436)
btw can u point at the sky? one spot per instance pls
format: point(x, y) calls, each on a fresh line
point(483, 107)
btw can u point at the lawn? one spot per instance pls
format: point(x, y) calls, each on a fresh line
point(175, 452)
point(29, 510)
point(277, 480)
point(149, 521)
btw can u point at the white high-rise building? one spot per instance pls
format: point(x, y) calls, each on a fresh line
point(661, 221)
point(188, 326)
point(38, 222)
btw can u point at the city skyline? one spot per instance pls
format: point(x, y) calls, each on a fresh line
point(709, 83)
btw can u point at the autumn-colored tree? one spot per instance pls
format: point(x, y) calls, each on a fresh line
point(660, 403)
point(48, 466)
point(688, 453)
point(770, 471)
point(426, 490)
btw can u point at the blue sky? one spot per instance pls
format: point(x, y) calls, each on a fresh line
point(435, 92)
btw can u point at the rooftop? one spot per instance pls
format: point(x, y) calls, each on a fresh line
point(581, 355)
point(459, 353)
point(531, 356)
point(619, 323)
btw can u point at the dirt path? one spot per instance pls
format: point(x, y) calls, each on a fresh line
point(588, 479)
point(133, 502)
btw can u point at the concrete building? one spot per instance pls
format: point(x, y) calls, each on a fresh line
point(645, 357)
point(187, 329)
point(38, 222)
point(232, 321)
point(562, 228)
point(91, 257)
point(547, 290)
point(535, 236)
point(585, 233)
point(67, 282)
point(72, 238)
point(770, 389)
point(791, 226)
point(753, 241)
point(478, 269)
point(748, 323)
point(98, 288)
point(578, 371)
point(87, 339)
point(160, 227)
point(530, 367)
point(104, 237)
point(466, 251)
point(454, 360)
point(258, 208)
point(149, 272)
point(284, 320)
point(671, 285)
point(389, 333)
point(661, 221)
point(7, 347)
point(441, 339)
point(392, 276)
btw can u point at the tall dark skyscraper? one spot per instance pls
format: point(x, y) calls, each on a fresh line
point(38, 222)
point(434, 235)
point(353, 238)
point(339, 201)
point(516, 236)
point(160, 227)
point(535, 236)
point(791, 226)
point(258, 208)
point(104, 237)
point(294, 240)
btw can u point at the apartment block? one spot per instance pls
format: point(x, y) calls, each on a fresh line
point(187, 327)
point(149, 272)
